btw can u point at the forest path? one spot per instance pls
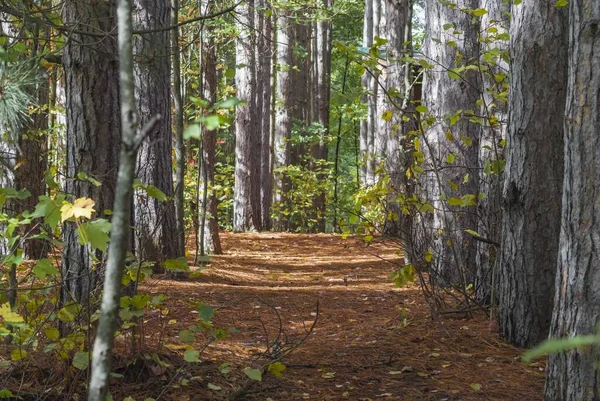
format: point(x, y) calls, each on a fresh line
point(371, 340)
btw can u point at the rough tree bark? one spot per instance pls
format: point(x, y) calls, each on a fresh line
point(211, 242)
point(265, 66)
point(283, 121)
point(398, 97)
point(244, 212)
point(93, 130)
point(179, 143)
point(366, 125)
point(156, 236)
point(574, 375)
point(454, 150)
point(119, 238)
point(322, 74)
point(534, 171)
point(494, 111)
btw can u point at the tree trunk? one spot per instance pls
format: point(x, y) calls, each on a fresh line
point(453, 151)
point(265, 57)
point(283, 121)
point(246, 159)
point(156, 227)
point(366, 125)
point(179, 144)
point(574, 375)
point(105, 335)
point(211, 242)
point(491, 153)
point(93, 131)
point(322, 74)
point(398, 83)
point(534, 171)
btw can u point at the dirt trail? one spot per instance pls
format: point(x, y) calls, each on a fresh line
point(371, 340)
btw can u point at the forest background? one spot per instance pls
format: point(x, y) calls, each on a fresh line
point(466, 131)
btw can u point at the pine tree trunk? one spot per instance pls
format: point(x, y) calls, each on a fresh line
point(156, 236)
point(495, 114)
point(263, 95)
point(208, 217)
point(244, 212)
point(93, 131)
point(366, 125)
point(283, 121)
point(322, 74)
point(179, 143)
point(574, 375)
point(398, 84)
point(534, 171)
point(266, 158)
point(453, 159)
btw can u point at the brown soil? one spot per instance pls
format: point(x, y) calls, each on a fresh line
point(370, 340)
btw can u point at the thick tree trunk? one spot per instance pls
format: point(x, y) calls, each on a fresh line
point(283, 120)
point(179, 143)
point(265, 64)
point(398, 83)
point(105, 335)
point(30, 174)
point(534, 171)
point(93, 131)
point(322, 74)
point(452, 151)
point(574, 375)
point(491, 154)
point(209, 224)
point(246, 159)
point(156, 236)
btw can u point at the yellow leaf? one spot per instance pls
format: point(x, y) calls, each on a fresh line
point(8, 315)
point(82, 207)
point(17, 354)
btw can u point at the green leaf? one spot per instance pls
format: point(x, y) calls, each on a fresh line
point(562, 3)
point(475, 386)
point(81, 360)
point(44, 268)
point(140, 301)
point(206, 313)
point(192, 131)
point(253, 374)
point(186, 336)
point(49, 209)
point(228, 103)
point(479, 12)
point(450, 158)
point(6, 393)
point(473, 233)
point(65, 315)
point(177, 265)
point(562, 344)
point(454, 201)
point(94, 233)
point(421, 109)
point(276, 369)
point(156, 193)
point(191, 355)
point(225, 368)
point(213, 387)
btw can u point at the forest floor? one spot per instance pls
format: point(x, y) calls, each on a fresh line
point(352, 334)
